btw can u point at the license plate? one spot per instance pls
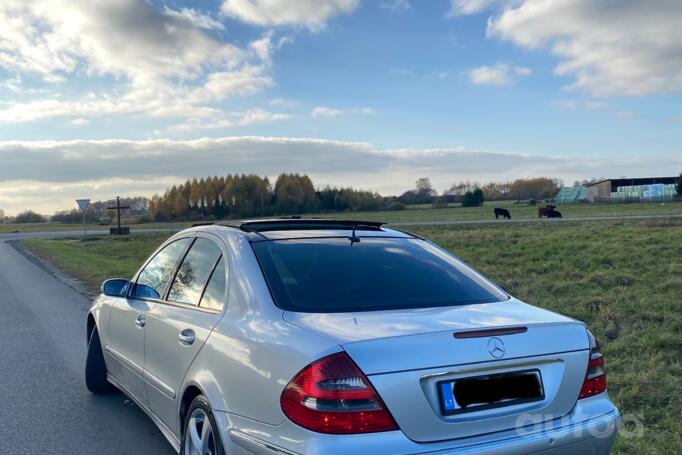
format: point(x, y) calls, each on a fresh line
point(490, 391)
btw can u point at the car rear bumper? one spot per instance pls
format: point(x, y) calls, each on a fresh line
point(594, 436)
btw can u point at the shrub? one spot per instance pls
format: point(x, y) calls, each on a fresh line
point(473, 198)
point(30, 216)
point(439, 202)
point(396, 206)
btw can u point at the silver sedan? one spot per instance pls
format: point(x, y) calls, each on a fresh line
point(301, 336)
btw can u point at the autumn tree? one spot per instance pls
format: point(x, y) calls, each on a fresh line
point(294, 193)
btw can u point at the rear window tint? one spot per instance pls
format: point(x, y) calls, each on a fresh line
point(332, 275)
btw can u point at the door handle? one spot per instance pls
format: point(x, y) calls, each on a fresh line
point(186, 336)
point(140, 321)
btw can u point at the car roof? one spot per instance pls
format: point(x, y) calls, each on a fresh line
point(304, 228)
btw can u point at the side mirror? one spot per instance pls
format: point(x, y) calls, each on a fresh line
point(115, 287)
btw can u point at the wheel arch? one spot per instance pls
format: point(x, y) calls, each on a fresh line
point(90, 327)
point(188, 395)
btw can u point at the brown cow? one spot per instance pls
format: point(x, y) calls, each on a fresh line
point(546, 211)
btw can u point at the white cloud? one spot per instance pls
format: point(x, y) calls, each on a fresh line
point(282, 102)
point(231, 120)
point(308, 13)
point(325, 111)
point(498, 74)
point(396, 6)
point(48, 175)
point(522, 71)
point(79, 122)
point(12, 84)
point(464, 7)
point(608, 48)
point(197, 18)
point(164, 62)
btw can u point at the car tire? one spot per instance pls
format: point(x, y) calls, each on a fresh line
point(193, 433)
point(96, 369)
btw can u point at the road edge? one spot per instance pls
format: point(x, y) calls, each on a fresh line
point(51, 269)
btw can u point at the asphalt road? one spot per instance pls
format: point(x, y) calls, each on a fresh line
point(45, 407)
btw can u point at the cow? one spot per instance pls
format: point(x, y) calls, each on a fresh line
point(544, 211)
point(504, 213)
point(553, 214)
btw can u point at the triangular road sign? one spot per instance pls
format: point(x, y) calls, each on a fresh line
point(83, 203)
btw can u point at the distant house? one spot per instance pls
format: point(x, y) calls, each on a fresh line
point(637, 188)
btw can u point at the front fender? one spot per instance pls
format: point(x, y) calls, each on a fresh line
point(99, 314)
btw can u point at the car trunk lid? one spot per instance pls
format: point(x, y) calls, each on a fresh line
point(412, 356)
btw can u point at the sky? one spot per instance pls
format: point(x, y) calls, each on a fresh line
point(101, 98)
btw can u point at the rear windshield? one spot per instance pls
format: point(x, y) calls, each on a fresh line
point(334, 275)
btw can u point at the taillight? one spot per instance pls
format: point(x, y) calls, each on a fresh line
point(595, 378)
point(332, 395)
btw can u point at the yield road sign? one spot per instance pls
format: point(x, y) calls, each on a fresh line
point(83, 203)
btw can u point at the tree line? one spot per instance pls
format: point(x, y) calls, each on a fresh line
point(471, 194)
point(239, 196)
point(250, 195)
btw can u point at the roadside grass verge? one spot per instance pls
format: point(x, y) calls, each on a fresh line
point(623, 278)
point(98, 257)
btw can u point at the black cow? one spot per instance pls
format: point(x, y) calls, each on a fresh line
point(502, 213)
point(553, 214)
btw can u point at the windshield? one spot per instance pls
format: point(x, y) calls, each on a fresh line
point(335, 275)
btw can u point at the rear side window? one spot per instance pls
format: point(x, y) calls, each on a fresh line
point(335, 275)
point(153, 278)
point(194, 272)
point(214, 295)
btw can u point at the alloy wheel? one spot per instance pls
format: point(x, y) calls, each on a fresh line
point(199, 435)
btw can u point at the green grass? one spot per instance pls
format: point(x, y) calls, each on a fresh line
point(518, 212)
point(97, 258)
point(623, 278)
point(417, 213)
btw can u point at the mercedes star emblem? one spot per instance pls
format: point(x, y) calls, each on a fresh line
point(496, 347)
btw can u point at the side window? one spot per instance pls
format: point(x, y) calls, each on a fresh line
point(214, 296)
point(194, 272)
point(153, 278)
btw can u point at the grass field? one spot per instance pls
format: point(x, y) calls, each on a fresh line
point(624, 278)
point(97, 258)
point(419, 213)
point(519, 212)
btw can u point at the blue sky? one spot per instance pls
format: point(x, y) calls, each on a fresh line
point(355, 92)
